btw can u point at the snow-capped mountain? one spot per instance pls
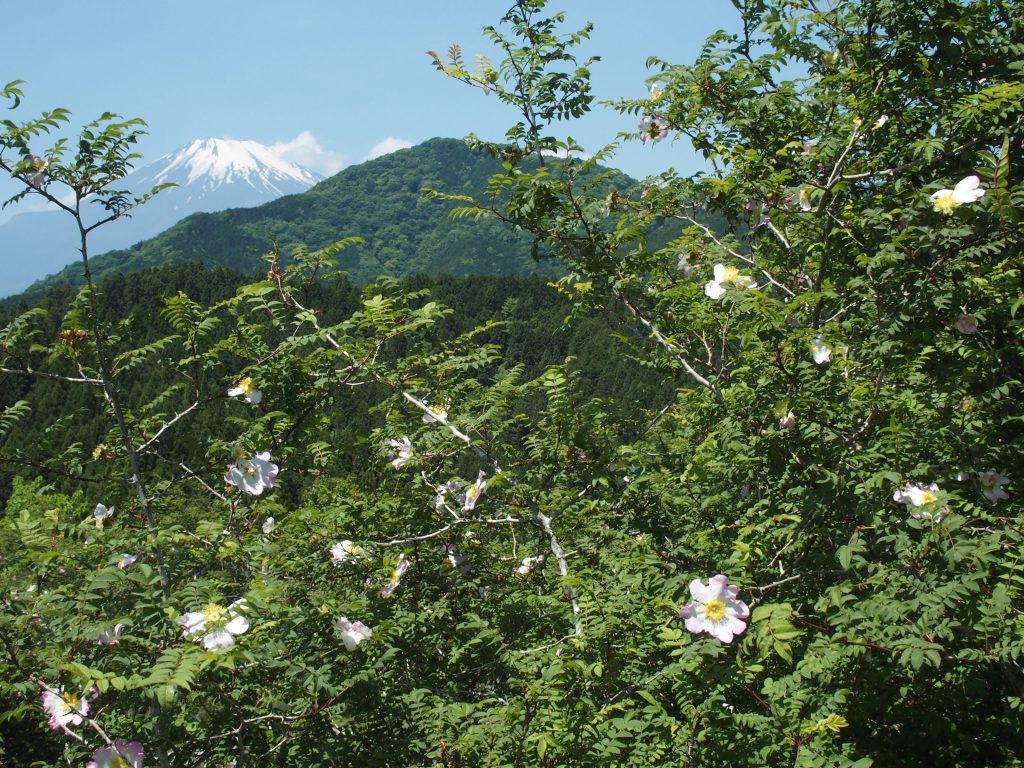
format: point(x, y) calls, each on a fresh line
point(211, 175)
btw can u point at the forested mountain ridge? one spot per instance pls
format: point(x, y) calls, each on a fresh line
point(380, 201)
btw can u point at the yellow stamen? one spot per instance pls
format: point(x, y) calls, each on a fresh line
point(213, 613)
point(927, 497)
point(714, 610)
point(944, 202)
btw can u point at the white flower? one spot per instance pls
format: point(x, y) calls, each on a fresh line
point(788, 421)
point(252, 475)
point(456, 559)
point(820, 351)
point(126, 560)
point(345, 551)
point(968, 190)
point(215, 626)
point(880, 122)
point(247, 389)
point(268, 524)
point(123, 754)
point(715, 288)
point(804, 199)
point(109, 637)
point(922, 501)
point(715, 609)
point(527, 564)
point(435, 414)
point(102, 513)
point(64, 707)
point(352, 632)
point(992, 485)
point(404, 450)
point(396, 576)
point(656, 91)
point(472, 493)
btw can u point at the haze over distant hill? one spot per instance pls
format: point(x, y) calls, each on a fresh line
point(210, 174)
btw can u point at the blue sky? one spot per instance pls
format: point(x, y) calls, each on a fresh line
point(330, 80)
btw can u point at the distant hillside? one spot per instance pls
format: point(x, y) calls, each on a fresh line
point(379, 200)
point(210, 174)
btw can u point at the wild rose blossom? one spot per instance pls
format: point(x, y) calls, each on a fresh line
point(252, 475)
point(652, 129)
point(992, 486)
point(123, 754)
point(268, 524)
point(469, 497)
point(715, 288)
point(35, 175)
point(922, 501)
point(715, 609)
point(435, 414)
point(527, 564)
point(345, 551)
point(246, 388)
point(456, 559)
point(102, 514)
point(820, 351)
point(967, 190)
point(788, 421)
point(352, 632)
point(126, 560)
point(215, 626)
point(65, 708)
point(108, 637)
point(967, 324)
point(396, 576)
point(402, 452)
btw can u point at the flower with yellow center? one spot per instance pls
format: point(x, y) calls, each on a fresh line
point(215, 626)
point(922, 501)
point(246, 388)
point(65, 708)
point(967, 190)
point(715, 288)
point(122, 754)
point(715, 609)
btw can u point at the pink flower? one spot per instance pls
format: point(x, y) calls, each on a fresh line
point(715, 609)
point(788, 421)
point(123, 754)
point(65, 708)
point(992, 486)
point(109, 637)
point(35, 174)
point(352, 632)
point(126, 560)
point(404, 450)
point(396, 576)
point(472, 493)
point(652, 129)
point(967, 324)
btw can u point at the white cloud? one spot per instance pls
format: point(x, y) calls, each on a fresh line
point(305, 150)
point(386, 147)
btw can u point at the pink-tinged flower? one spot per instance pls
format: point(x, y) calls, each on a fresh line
point(968, 190)
point(403, 451)
point(441, 491)
point(123, 754)
point(252, 475)
point(715, 609)
point(992, 485)
point(102, 514)
point(788, 421)
point(345, 552)
point(652, 129)
point(808, 145)
point(922, 501)
point(65, 708)
point(967, 324)
point(396, 576)
point(35, 173)
point(715, 288)
point(352, 632)
point(246, 388)
point(108, 637)
point(820, 351)
point(215, 626)
point(126, 560)
point(472, 493)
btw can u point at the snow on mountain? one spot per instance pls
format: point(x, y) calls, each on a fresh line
point(211, 175)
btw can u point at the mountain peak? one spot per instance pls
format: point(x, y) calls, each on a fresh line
point(210, 163)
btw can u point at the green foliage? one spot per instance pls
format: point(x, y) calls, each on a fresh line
point(475, 551)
